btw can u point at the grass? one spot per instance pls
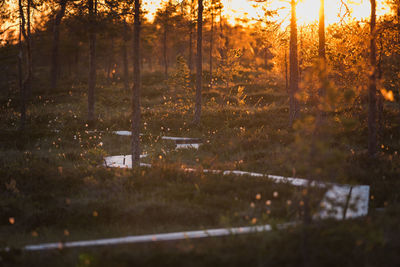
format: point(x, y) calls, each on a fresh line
point(54, 188)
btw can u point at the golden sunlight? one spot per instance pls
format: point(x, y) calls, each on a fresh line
point(307, 10)
point(335, 11)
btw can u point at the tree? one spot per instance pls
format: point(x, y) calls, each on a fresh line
point(118, 12)
point(372, 127)
point(56, 39)
point(215, 5)
point(25, 83)
point(321, 37)
point(92, 6)
point(125, 54)
point(322, 60)
point(165, 18)
point(294, 66)
point(191, 24)
point(136, 88)
point(199, 64)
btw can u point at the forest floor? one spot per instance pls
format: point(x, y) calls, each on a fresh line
point(54, 187)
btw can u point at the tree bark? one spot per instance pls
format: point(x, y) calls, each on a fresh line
point(92, 59)
point(191, 51)
point(165, 51)
point(322, 70)
point(294, 67)
point(300, 53)
point(25, 84)
point(199, 64)
point(136, 88)
point(286, 72)
point(222, 46)
point(28, 90)
point(191, 38)
point(55, 48)
point(372, 129)
point(380, 100)
point(321, 43)
point(125, 56)
point(20, 73)
point(211, 47)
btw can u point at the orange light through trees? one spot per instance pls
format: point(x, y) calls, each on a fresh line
point(307, 10)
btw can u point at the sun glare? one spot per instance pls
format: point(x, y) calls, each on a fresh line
point(335, 11)
point(250, 11)
point(237, 11)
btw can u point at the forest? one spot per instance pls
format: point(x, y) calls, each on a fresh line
point(199, 133)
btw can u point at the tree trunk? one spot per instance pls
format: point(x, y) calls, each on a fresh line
point(125, 57)
point(25, 84)
point(398, 38)
point(321, 43)
point(294, 67)
point(322, 70)
point(92, 59)
point(372, 131)
point(165, 51)
point(56, 41)
point(136, 88)
point(222, 46)
point(191, 39)
point(20, 73)
point(286, 72)
point(191, 51)
point(211, 48)
point(380, 100)
point(199, 64)
point(28, 90)
point(300, 53)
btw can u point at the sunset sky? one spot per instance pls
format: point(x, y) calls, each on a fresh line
point(307, 10)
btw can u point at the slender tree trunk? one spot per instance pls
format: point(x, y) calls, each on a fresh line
point(191, 51)
point(211, 48)
point(221, 30)
point(221, 37)
point(322, 71)
point(321, 42)
point(56, 41)
point(372, 131)
point(26, 83)
point(136, 88)
point(294, 66)
point(20, 73)
point(28, 90)
point(199, 64)
point(92, 59)
point(165, 51)
point(125, 56)
point(286, 72)
point(398, 39)
point(300, 53)
point(191, 38)
point(380, 100)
